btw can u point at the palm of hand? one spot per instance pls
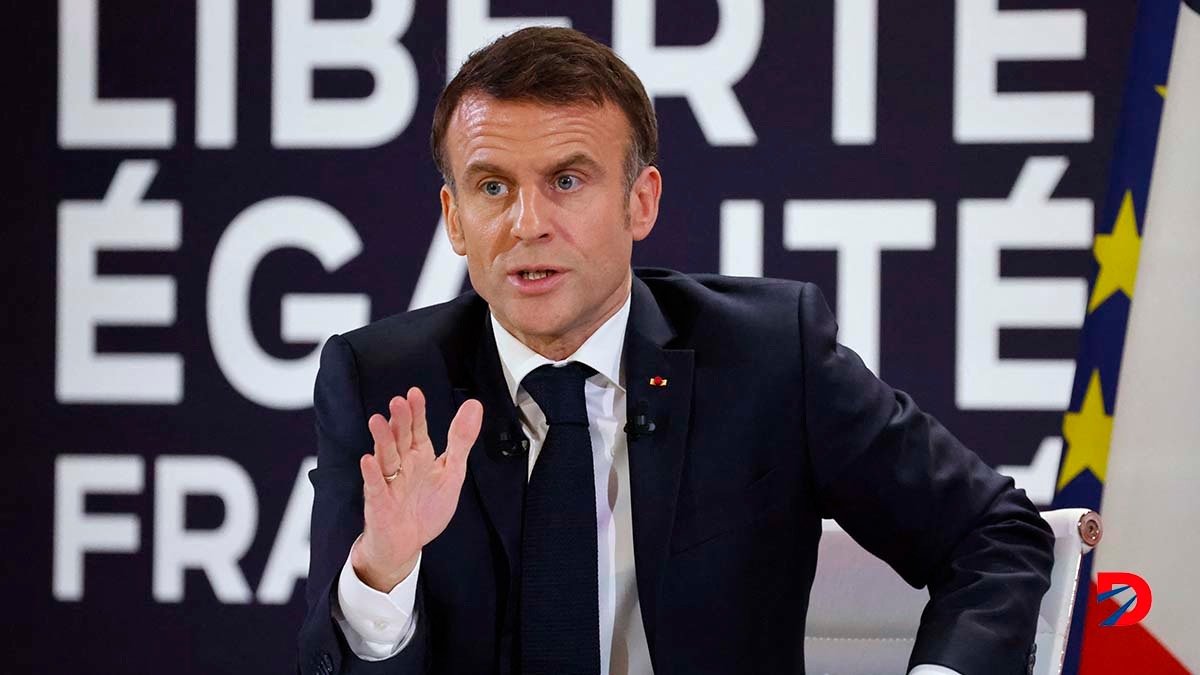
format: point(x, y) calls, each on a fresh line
point(406, 513)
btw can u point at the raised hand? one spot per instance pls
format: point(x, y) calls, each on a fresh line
point(409, 493)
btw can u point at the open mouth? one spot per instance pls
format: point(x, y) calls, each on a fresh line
point(536, 280)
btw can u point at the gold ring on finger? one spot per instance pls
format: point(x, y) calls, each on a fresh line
point(392, 476)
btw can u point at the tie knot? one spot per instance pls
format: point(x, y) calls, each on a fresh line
point(558, 391)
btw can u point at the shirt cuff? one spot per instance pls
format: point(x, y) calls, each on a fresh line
point(376, 625)
point(926, 669)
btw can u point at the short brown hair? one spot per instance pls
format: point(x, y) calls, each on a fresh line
point(558, 66)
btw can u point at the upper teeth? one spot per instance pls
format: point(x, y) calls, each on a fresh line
point(535, 275)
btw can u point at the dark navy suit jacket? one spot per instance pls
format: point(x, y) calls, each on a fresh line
point(766, 425)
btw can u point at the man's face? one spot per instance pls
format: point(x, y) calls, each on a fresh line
point(541, 210)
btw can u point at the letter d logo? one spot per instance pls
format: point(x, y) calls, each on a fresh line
point(1109, 584)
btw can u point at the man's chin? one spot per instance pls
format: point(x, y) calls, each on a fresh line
point(531, 320)
point(537, 330)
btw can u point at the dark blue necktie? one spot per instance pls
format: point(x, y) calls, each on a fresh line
point(560, 613)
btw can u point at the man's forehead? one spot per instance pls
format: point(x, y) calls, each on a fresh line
point(483, 124)
point(475, 107)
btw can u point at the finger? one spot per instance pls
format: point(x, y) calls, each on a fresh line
point(420, 430)
point(401, 424)
point(374, 486)
point(464, 429)
point(385, 443)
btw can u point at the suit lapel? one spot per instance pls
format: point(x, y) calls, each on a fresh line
point(498, 472)
point(655, 458)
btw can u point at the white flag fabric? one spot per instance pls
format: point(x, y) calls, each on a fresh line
point(1151, 505)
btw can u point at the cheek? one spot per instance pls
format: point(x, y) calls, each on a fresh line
point(617, 241)
point(607, 259)
point(482, 236)
point(601, 230)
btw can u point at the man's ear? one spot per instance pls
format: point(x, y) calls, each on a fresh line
point(643, 202)
point(450, 217)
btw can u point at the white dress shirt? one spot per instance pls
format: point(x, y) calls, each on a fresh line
point(378, 625)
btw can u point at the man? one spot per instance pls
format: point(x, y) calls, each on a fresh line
point(635, 465)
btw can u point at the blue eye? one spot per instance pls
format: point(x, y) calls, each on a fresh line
point(494, 188)
point(566, 182)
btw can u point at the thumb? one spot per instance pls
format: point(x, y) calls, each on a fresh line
point(464, 429)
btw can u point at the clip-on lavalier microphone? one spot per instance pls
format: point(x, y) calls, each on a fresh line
point(641, 424)
point(509, 443)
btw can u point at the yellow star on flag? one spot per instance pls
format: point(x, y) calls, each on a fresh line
point(1117, 253)
point(1162, 91)
point(1087, 433)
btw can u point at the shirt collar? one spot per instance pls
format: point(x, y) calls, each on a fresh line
point(601, 351)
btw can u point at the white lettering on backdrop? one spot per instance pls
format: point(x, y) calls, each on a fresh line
point(859, 232)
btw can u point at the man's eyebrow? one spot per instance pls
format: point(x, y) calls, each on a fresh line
point(578, 160)
point(479, 168)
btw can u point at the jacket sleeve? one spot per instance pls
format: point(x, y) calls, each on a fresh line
point(908, 491)
point(337, 520)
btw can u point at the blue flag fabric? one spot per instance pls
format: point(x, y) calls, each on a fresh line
point(1087, 423)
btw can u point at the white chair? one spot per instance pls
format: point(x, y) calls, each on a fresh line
point(863, 618)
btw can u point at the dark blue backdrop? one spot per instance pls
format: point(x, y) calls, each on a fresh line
point(212, 437)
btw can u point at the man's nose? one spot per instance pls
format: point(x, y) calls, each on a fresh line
point(531, 215)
